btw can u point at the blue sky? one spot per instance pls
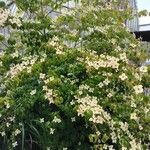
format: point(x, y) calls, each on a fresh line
point(144, 4)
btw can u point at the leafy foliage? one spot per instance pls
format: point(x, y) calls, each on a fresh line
point(75, 81)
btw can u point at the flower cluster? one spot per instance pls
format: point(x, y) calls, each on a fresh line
point(77, 77)
point(103, 61)
point(49, 95)
point(90, 104)
point(55, 43)
point(3, 17)
point(138, 89)
point(143, 69)
point(26, 64)
point(16, 21)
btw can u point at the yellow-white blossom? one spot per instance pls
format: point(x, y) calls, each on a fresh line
point(52, 131)
point(123, 57)
point(106, 81)
point(138, 89)
point(123, 76)
point(3, 16)
point(109, 95)
point(49, 96)
point(133, 45)
point(41, 120)
point(134, 145)
point(100, 84)
point(42, 76)
point(124, 126)
point(14, 144)
point(140, 127)
point(33, 92)
point(143, 69)
point(124, 148)
point(89, 103)
point(56, 120)
point(3, 133)
point(16, 132)
point(133, 116)
point(137, 76)
point(7, 105)
point(7, 124)
point(1, 63)
point(73, 119)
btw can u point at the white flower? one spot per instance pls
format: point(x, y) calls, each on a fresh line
point(72, 102)
point(49, 95)
point(17, 131)
point(3, 133)
point(33, 92)
point(58, 52)
point(123, 57)
point(102, 56)
point(105, 146)
point(132, 45)
point(7, 124)
point(90, 103)
point(7, 105)
point(124, 148)
point(100, 84)
point(51, 78)
point(12, 118)
point(1, 63)
point(123, 76)
point(137, 76)
point(80, 92)
point(109, 74)
point(15, 54)
point(112, 62)
point(133, 104)
point(140, 127)
point(124, 126)
point(91, 90)
point(56, 120)
point(65, 148)
point(14, 144)
point(110, 95)
point(134, 145)
point(41, 120)
point(3, 16)
point(106, 81)
point(42, 76)
point(0, 115)
point(52, 131)
point(29, 69)
point(114, 137)
point(73, 119)
point(111, 147)
point(143, 69)
point(46, 81)
point(138, 89)
point(133, 116)
point(45, 88)
point(42, 59)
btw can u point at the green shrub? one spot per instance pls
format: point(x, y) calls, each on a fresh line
point(74, 82)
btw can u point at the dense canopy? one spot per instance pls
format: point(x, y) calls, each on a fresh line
point(73, 82)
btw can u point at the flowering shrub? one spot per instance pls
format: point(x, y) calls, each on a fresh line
point(74, 82)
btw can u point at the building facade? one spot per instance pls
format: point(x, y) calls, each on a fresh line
point(133, 24)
